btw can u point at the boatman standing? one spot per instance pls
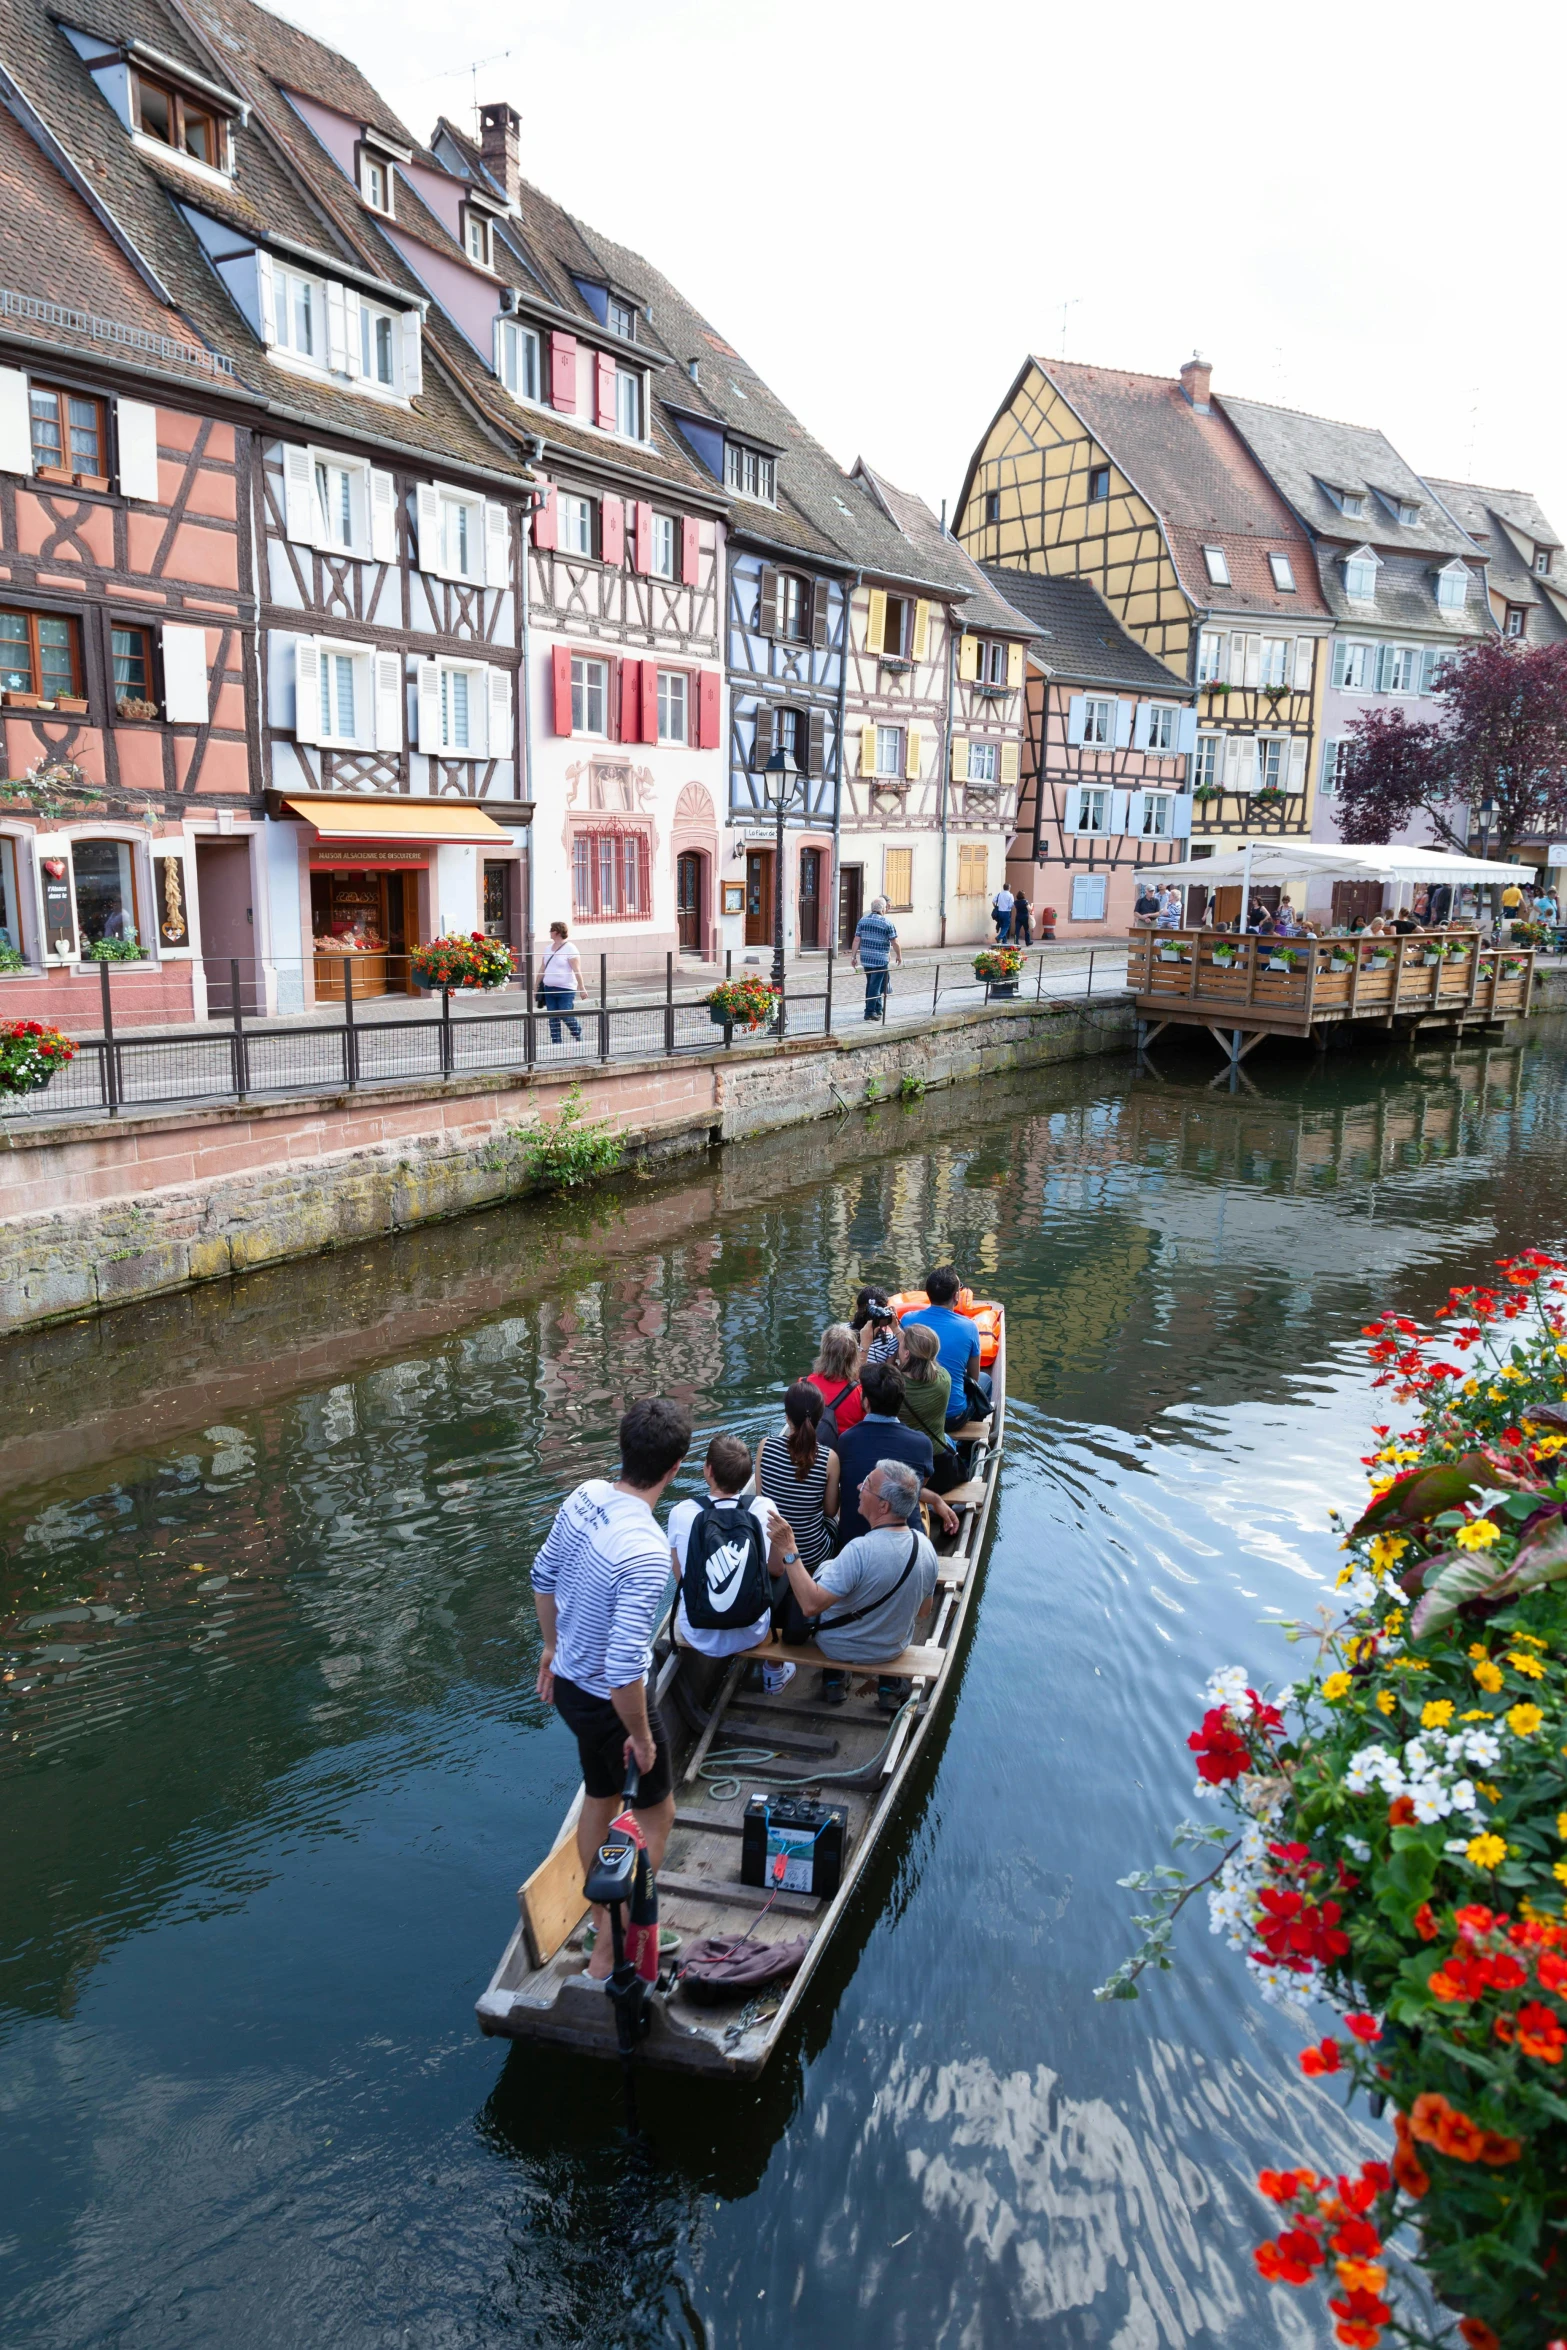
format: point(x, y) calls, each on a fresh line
point(598, 1586)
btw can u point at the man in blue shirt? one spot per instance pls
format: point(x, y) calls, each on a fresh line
point(874, 940)
point(881, 1436)
point(959, 1351)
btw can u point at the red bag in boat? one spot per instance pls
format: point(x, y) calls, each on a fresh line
point(731, 1966)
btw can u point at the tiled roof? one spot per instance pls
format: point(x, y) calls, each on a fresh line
point(1498, 520)
point(1202, 482)
point(1302, 452)
point(911, 516)
point(1079, 639)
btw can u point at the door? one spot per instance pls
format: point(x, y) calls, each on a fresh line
point(810, 900)
point(228, 927)
point(1356, 901)
point(758, 897)
point(851, 902)
point(688, 900)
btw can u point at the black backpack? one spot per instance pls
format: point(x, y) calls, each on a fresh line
point(725, 1583)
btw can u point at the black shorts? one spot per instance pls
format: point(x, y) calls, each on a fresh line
point(601, 1743)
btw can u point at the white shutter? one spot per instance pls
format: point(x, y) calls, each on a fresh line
point(497, 545)
point(16, 434)
point(1235, 666)
point(428, 501)
point(498, 711)
point(353, 331)
point(336, 329)
point(413, 361)
point(1140, 725)
point(266, 297)
point(1240, 762)
point(1186, 734)
point(1303, 664)
point(1076, 717)
point(1120, 808)
point(1072, 808)
point(390, 702)
point(1124, 714)
point(1297, 773)
point(429, 706)
point(300, 517)
point(960, 758)
point(136, 424)
point(383, 517)
point(1181, 816)
point(1253, 660)
point(185, 701)
point(307, 690)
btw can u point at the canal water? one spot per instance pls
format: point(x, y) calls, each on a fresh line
point(272, 1765)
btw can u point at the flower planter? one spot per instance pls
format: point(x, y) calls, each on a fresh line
point(1000, 987)
point(718, 1016)
point(1340, 963)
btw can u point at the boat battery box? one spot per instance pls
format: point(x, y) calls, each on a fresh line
point(809, 1836)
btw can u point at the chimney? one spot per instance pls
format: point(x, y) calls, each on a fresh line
point(500, 145)
point(1196, 376)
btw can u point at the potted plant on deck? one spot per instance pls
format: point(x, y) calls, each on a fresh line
point(1227, 954)
point(999, 967)
point(459, 960)
point(30, 1054)
point(1285, 959)
point(743, 1003)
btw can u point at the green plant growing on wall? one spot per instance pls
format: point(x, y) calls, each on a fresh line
point(912, 1088)
point(873, 1089)
point(574, 1150)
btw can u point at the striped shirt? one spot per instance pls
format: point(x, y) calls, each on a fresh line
point(606, 1565)
point(799, 1498)
point(873, 935)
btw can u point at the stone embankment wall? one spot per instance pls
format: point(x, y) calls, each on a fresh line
point(98, 1214)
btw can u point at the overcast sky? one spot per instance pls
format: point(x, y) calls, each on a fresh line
point(1346, 208)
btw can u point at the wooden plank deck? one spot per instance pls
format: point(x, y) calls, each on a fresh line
point(1248, 987)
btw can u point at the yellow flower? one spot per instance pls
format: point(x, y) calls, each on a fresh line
point(1478, 1651)
point(1387, 1550)
point(1343, 1576)
point(1479, 1534)
point(1379, 1486)
point(1491, 1794)
point(1559, 1872)
point(1489, 1676)
point(1497, 1394)
point(1393, 1622)
point(1548, 1446)
point(1336, 1685)
point(1471, 1387)
point(1386, 1702)
point(1524, 1720)
point(1477, 1714)
point(1530, 1666)
point(1530, 1640)
point(1437, 1714)
point(1561, 1824)
point(1487, 1852)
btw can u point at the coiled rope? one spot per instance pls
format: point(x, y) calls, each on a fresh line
point(727, 1771)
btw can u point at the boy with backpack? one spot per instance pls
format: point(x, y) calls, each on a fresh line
point(719, 1551)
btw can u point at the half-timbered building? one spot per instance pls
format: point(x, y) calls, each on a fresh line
point(1106, 786)
point(1140, 485)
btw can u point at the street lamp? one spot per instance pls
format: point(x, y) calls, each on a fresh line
point(782, 778)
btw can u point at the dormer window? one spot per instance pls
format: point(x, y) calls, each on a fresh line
point(1452, 587)
point(1349, 502)
point(1217, 565)
point(317, 324)
point(375, 182)
point(629, 403)
point(1283, 576)
point(300, 303)
point(186, 126)
point(477, 237)
point(1360, 576)
point(748, 471)
point(1542, 561)
point(378, 345)
point(622, 320)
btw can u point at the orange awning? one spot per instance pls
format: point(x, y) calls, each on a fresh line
point(455, 822)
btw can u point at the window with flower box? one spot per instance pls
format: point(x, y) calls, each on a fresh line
point(130, 657)
point(70, 436)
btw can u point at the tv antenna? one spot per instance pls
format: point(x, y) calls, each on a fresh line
point(472, 68)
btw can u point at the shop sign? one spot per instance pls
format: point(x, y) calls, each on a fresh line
point(1556, 854)
point(361, 856)
point(169, 897)
point(59, 911)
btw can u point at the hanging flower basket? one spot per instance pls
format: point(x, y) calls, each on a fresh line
point(462, 961)
point(743, 1003)
point(30, 1054)
point(998, 963)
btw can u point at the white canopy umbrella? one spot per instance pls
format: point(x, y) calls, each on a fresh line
point(1290, 860)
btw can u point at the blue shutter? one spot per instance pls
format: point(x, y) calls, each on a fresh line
point(1076, 711)
point(1186, 734)
point(1125, 712)
point(1181, 816)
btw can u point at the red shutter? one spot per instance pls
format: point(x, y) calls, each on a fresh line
point(690, 550)
point(631, 701)
point(563, 372)
point(612, 531)
point(546, 528)
point(560, 658)
point(650, 701)
point(644, 537)
point(604, 391)
point(707, 710)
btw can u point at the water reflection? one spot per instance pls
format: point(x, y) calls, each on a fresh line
point(272, 1759)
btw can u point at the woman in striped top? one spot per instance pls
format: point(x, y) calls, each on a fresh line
point(797, 1472)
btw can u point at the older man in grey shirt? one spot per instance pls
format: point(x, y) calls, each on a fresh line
point(863, 1604)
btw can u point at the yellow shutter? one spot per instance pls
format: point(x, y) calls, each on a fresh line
point(1009, 762)
point(876, 621)
point(913, 755)
point(867, 750)
point(968, 658)
point(920, 649)
point(1014, 665)
point(960, 758)
point(898, 879)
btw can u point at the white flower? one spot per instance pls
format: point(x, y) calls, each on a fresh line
point(1416, 1759)
point(1372, 1767)
point(1462, 1795)
point(1361, 1590)
point(1227, 1687)
point(1456, 1844)
point(1205, 1788)
point(1483, 1748)
point(1430, 1799)
point(1356, 1847)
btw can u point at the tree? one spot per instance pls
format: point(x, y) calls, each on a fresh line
point(1496, 763)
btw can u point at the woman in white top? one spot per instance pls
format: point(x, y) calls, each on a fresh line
point(560, 981)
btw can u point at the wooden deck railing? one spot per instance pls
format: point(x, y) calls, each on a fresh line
point(1289, 983)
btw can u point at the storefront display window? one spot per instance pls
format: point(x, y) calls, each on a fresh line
point(105, 891)
point(368, 914)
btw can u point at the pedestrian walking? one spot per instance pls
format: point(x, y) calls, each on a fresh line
point(1022, 921)
point(560, 982)
point(875, 941)
point(1001, 908)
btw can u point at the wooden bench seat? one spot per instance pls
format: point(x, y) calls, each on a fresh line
point(971, 1432)
point(966, 1497)
point(925, 1661)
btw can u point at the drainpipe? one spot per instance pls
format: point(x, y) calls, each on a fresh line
point(533, 445)
point(954, 638)
point(837, 781)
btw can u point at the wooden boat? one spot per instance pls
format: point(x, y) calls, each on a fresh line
point(540, 1991)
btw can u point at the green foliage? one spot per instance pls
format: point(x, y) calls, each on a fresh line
point(11, 958)
point(911, 1088)
point(873, 1089)
point(463, 960)
point(116, 950)
point(749, 1003)
point(30, 1053)
point(574, 1150)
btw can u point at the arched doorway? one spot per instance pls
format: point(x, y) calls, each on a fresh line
point(690, 900)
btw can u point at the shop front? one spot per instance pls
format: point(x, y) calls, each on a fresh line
point(387, 876)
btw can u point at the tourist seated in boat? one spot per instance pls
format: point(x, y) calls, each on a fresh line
point(876, 1326)
point(881, 1436)
point(927, 1390)
point(836, 1374)
point(598, 1588)
point(959, 1342)
point(718, 1549)
point(861, 1607)
point(798, 1473)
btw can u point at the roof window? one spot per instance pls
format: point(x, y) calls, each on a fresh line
point(1283, 576)
point(1218, 566)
